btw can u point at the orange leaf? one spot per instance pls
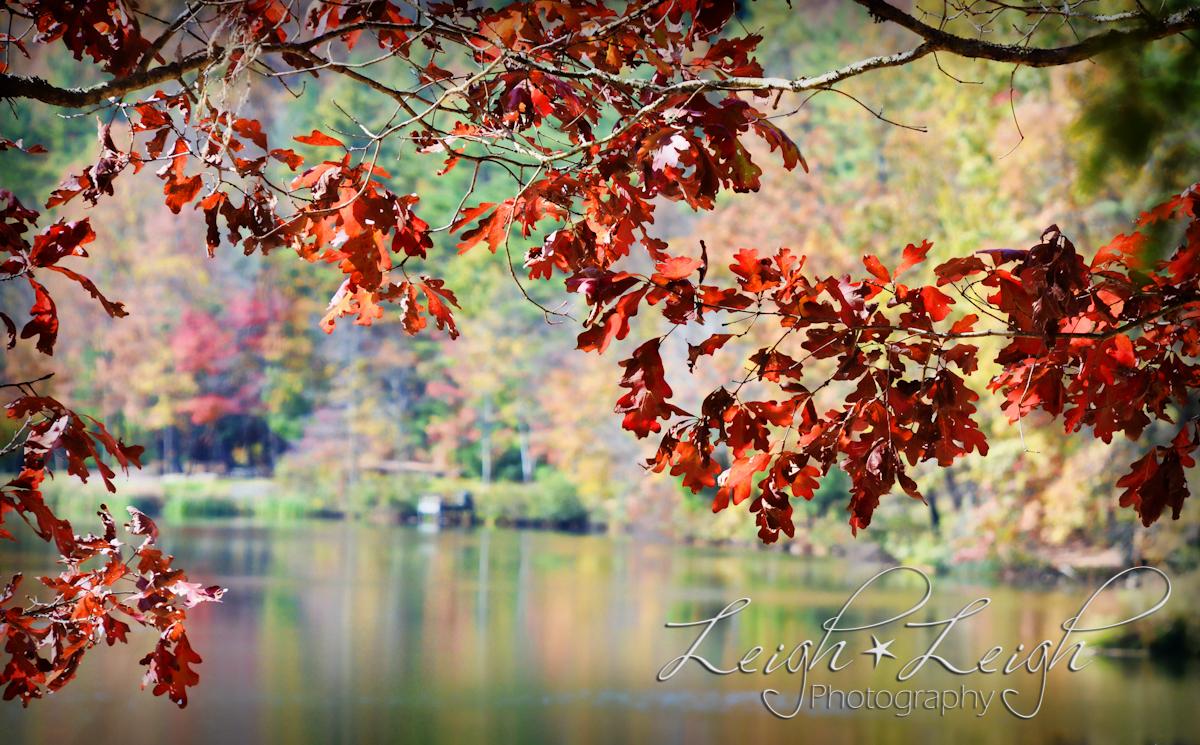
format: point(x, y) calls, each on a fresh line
point(913, 255)
point(964, 324)
point(876, 268)
point(319, 139)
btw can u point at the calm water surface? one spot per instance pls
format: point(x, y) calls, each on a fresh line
point(349, 633)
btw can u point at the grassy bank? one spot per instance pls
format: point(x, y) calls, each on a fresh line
point(550, 502)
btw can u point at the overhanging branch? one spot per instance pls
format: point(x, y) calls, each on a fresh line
point(1149, 29)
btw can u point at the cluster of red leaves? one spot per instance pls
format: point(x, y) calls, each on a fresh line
point(680, 146)
point(104, 30)
point(44, 251)
point(46, 641)
point(1104, 345)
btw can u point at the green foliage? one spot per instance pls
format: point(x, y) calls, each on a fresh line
point(550, 500)
point(1139, 116)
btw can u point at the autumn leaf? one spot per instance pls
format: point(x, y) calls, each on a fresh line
point(876, 268)
point(913, 255)
point(318, 139)
point(646, 401)
point(706, 347)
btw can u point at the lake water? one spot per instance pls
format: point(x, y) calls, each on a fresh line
point(356, 633)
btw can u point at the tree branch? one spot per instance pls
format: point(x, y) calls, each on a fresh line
point(19, 86)
point(1150, 30)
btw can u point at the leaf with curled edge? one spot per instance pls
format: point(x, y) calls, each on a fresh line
point(646, 401)
point(194, 593)
point(612, 325)
point(141, 524)
point(956, 270)
point(115, 310)
point(6, 143)
point(11, 328)
point(705, 348)
point(11, 588)
point(44, 324)
point(410, 310)
point(60, 240)
point(777, 138)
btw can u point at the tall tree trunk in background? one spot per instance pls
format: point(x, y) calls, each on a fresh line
point(485, 442)
point(169, 449)
point(953, 490)
point(526, 454)
point(397, 384)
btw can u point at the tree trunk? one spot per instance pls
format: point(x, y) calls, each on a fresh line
point(526, 456)
point(485, 442)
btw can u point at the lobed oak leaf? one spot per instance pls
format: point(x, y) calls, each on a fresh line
point(913, 255)
point(737, 482)
point(181, 192)
point(1123, 249)
point(171, 672)
point(677, 267)
point(937, 303)
point(1121, 350)
point(754, 274)
point(44, 321)
point(1152, 486)
point(434, 294)
point(251, 129)
point(964, 324)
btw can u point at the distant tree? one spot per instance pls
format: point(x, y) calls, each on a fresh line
point(593, 110)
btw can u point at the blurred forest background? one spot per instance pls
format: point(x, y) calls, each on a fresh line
point(246, 407)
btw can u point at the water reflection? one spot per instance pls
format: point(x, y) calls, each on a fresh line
point(348, 633)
